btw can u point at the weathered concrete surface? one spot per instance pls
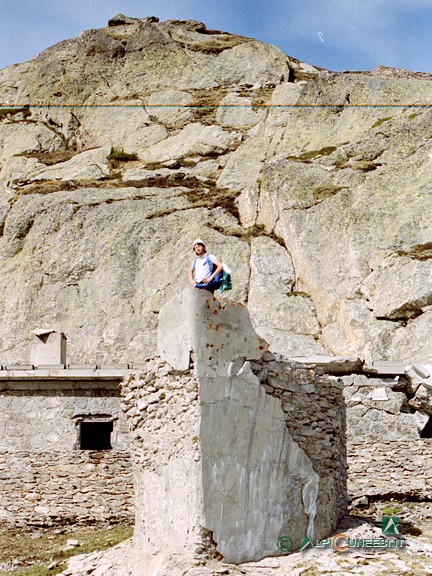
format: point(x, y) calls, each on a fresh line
point(258, 484)
point(194, 321)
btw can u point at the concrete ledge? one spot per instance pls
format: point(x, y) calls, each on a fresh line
point(331, 364)
point(384, 368)
point(63, 374)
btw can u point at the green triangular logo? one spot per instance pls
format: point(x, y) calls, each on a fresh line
point(390, 525)
point(307, 542)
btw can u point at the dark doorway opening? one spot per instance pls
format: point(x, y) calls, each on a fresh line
point(95, 435)
point(427, 430)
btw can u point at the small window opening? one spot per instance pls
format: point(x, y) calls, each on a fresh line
point(427, 430)
point(95, 435)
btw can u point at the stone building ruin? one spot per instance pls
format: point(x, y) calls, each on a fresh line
point(64, 445)
point(217, 446)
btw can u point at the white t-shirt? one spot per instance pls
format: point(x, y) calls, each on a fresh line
point(203, 268)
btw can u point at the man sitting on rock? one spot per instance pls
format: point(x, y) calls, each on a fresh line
point(206, 270)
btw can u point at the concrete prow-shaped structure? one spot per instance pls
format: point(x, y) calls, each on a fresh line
point(266, 462)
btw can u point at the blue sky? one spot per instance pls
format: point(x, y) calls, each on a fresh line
point(334, 34)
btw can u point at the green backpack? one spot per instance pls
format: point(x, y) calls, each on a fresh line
point(226, 283)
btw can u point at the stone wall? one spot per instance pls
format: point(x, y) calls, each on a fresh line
point(385, 420)
point(163, 414)
point(384, 468)
point(45, 416)
point(388, 407)
point(46, 488)
point(378, 408)
point(45, 476)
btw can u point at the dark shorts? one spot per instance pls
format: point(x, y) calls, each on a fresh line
point(210, 287)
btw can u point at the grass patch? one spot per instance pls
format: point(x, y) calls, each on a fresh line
point(43, 187)
point(381, 121)
point(312, 571)
point(205, 105)
point(204, 113)
point(50, 158)
point(8, 113)
point(213, 197)
point(120, 156)
point(312, 154)
point(248, 234)
point(52, 186)
point(169, 181)
point(391, 510)
point(364, 165)
point(211, 42)
point(29, 553)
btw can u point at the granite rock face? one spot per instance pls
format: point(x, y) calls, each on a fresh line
point(313, 186)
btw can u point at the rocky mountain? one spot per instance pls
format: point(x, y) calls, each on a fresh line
point(119, 147)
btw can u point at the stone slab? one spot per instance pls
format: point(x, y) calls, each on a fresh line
point(113, 367)
point(82, 366)
point(55, 385)
point(332, 364)
point(385, 368)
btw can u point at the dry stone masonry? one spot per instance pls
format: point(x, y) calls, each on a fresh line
point(389, 434)
point(390, 469)
point(65, 487)
point(64, 447)
point(163, 413)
